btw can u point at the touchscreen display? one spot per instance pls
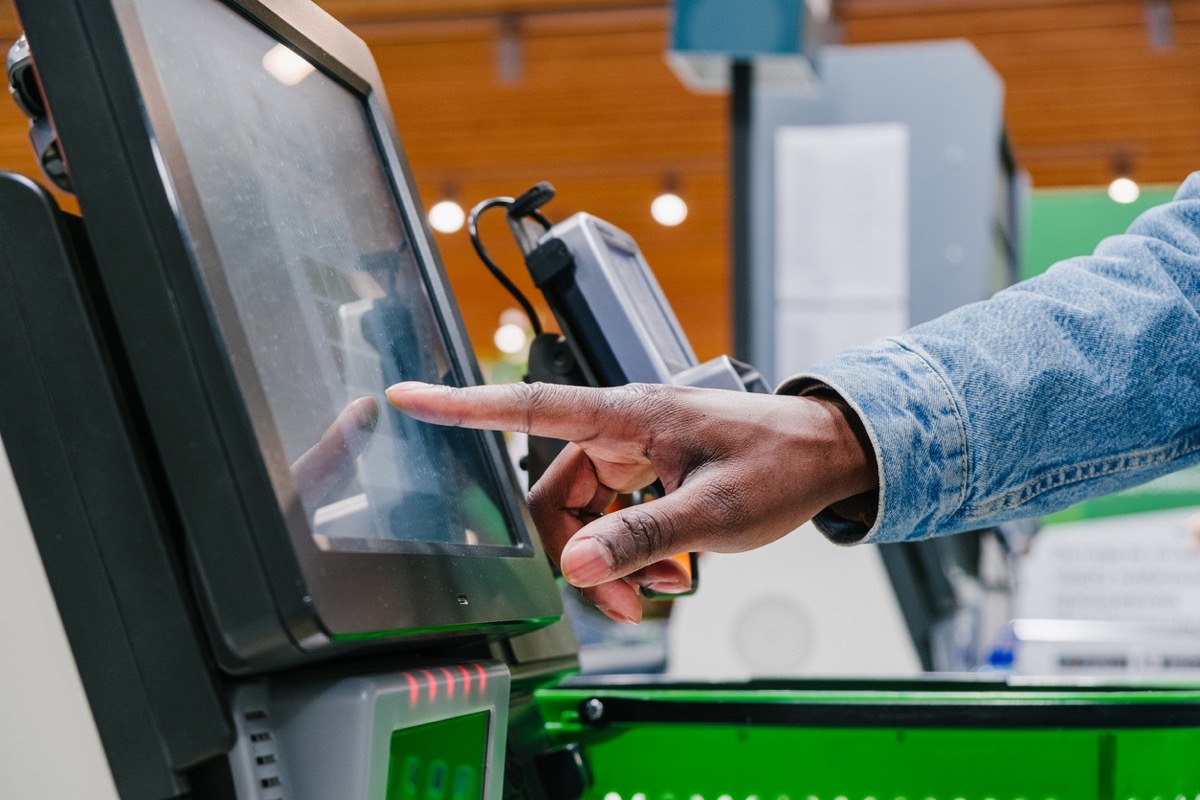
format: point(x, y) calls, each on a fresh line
point(634, 279)
point(316, 286)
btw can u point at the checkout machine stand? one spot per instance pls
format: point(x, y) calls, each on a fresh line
point(89, 496)
point(171, 725)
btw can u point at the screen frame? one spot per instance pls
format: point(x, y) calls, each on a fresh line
point(213, 274)
point(270, 597)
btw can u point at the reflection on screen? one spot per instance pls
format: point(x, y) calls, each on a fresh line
point(316, 285)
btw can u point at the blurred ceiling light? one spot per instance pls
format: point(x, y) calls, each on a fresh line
point(669, 209)
point(286, 65)
point(513, 316)
point(447, 216)
point(1124, 190)
point(1160, 25)
point(510, 338)
point(510, 50)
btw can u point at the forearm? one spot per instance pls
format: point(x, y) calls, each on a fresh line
point(1077, 383)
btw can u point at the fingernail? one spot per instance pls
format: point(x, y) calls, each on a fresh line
point(669, 587)
point(617, 616)
point(585, 562)
point(367, 414)
point(394, 393)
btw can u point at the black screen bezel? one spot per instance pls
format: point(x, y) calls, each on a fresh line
point(271, 596)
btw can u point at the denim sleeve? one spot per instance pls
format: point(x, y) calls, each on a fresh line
point(1079, 382)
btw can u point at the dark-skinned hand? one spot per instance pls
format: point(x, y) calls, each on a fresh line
point(740, 471)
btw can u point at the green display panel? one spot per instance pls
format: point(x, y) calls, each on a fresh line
point(1064, 223)
point(440, 760)
point(941, 743)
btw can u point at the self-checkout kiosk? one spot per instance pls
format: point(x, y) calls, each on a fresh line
point(275, 587)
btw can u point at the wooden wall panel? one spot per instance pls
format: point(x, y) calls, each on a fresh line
point(1085, 86)
point(596, 111)
point(15, 153)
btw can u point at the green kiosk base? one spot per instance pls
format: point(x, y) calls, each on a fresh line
point(870, 740)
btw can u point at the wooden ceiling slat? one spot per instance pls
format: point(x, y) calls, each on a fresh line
point(1015, 21)
point(1112, 43)
point(1077, 73)
point(597, 112)
point(1116, 43)
point(889, 9)
point(350, 10)
point(10, 26)
point(1069, 12)
point(1114, 77)
point(592, 22)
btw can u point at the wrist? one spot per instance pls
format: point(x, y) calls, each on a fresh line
point(853, 491)
point(853, 462)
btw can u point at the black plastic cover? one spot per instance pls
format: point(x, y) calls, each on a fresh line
point(87, 487)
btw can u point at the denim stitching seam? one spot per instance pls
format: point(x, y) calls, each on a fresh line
point(1083, 472)
point(965, 459)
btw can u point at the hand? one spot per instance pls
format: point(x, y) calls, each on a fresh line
point(740, 470)
point(328, 464)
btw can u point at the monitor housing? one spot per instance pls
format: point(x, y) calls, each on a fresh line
point(259, 240)
point(616, 319)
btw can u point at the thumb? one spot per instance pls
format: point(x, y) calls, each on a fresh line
point(628, 540)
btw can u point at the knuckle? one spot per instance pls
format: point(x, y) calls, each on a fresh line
point(543, 397)
point(721, 507)
point(647, 400)
point(525, 396)
point(556, 401)
point(536, 500)
point(547, 496)
point(455, 400)
point(640, 537)
point(650, 408)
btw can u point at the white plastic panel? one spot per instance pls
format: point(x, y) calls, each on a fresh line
point(314, 740)
point(842, 217)
point(798, 607)
point(49, 746)
point(810, 331)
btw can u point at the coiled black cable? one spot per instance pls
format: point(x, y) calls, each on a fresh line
point(505, 281)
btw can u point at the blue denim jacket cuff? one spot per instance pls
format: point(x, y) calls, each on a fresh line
point(915, 425)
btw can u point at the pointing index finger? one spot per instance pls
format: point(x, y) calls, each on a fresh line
point(573, 413)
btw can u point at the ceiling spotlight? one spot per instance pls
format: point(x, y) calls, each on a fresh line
point(1123, 189)
point(669, 209)
point(447, 216)
point(1160, 24)
point(510, 338)
point(513, 316)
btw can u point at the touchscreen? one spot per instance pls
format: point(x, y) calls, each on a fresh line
point(634, 279)
point(316, 286)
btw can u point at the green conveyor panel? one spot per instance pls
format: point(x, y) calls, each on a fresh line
point(857, 741)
